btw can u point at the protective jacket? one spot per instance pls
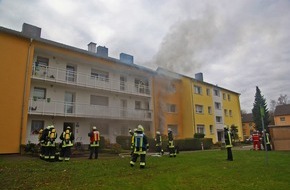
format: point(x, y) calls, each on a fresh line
point(140, 143)
point(228, 139)
point(94, 138)
point(67, 138)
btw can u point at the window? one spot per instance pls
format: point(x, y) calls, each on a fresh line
point(216, 92)
point(39, 93)
point(200, 129)
point(174, 129)
point(36, 125)
point(197, 89)
point(137, 105)
point(69, 99)
point(142, 86)
point(42, 61)
point(99, 100)
point(282, 119)
point(211, 129)
point(171, 108)
point(226, 112)
point(123, 81)
point(229, 97)
point(198, 108)
point(224, 96)
point(230, 113)
point(171, 88)
point(99, 75)
point(208, 91)
point(70, 73)
point(218, 119)
point(209, 109)
point(217, 105)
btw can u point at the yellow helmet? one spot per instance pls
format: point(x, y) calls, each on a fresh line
point(140, 128)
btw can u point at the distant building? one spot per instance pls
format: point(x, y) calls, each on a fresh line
point(248, 125)
point(282, 115)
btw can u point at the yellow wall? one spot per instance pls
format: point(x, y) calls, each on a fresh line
point(248, 127)
point(14, 57)
point(205, 100)
point(187, 108)
point(234, 105)
point(279, 122)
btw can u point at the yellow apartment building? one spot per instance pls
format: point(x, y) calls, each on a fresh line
point(282, 115)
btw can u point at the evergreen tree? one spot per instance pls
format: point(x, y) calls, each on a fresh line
point(260, 103)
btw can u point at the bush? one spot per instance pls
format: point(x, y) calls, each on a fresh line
point(198, 135)
point(193, 144)
point(124, 142)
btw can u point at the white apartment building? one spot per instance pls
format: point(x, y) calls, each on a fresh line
point(82, 89)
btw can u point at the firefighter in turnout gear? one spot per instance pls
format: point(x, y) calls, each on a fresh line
point(94, 142)
point(158, 144)
point(140, 147)
point(132, 140)
point(41, 144)
point(256, 140)
point(228, 143)
point(50, 143)
point(171, 147)
point(267, 137)
point(67, 138)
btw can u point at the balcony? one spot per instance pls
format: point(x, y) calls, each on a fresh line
point(63, 76)
point(65, 109)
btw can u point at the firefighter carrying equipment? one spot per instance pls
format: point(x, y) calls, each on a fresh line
point(66, 135)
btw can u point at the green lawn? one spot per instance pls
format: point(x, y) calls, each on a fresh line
point(195, 170)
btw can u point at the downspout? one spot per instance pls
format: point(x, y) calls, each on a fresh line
point(24, 92)
point(192, 112)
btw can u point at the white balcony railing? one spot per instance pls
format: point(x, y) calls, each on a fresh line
point(84, 80)
point(57, 108)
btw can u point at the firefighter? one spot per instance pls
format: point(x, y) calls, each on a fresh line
point(158, 144)
point(41, 144)
point(132, 140)
point(140, 147)
point(67, 138)
point(171, 147)
point(94, 142)
point(228, 142)
point(50, 143)
point(267, 137)
point(256, 140)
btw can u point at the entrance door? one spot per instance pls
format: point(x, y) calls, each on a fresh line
point(220, 135)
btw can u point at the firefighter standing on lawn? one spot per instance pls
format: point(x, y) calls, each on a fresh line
point(94, 142)
point(132, 140)
point(228, 142)
point(171, 147)
point(140, 147)
point(50, 144)
point(158, 144)
point(67, 138)
point(256, 140)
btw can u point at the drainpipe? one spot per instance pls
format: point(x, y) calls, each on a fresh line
point(192, 111)
point(24, 92)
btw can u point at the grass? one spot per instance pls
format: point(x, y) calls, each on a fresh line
point(194, 170)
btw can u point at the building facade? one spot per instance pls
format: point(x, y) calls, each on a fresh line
point(49, 83)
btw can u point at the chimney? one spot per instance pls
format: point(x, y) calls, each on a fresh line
point(92, 47)
point(31, 31)
point(102, 51)
point(199, 76)
point(126, 58)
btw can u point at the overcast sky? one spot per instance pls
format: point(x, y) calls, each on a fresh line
point(237, 44)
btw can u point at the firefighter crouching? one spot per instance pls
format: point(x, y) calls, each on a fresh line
point(66, 138)
point(171, 147)
point(50, 145)
point(140, 147)
point(94, 142)
point(158, 144)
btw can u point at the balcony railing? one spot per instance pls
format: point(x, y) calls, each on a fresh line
point(84, 80)
point(58, 108)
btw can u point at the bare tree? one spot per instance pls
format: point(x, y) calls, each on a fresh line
point(282, 99)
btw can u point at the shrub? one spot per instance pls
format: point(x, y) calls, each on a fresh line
point(198, 135)
point(124, 142)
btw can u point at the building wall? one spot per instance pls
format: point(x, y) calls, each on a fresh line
point(231, 103)
point(282, 120)
point(280, 137)
point(167, 91)
point(15, 63)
